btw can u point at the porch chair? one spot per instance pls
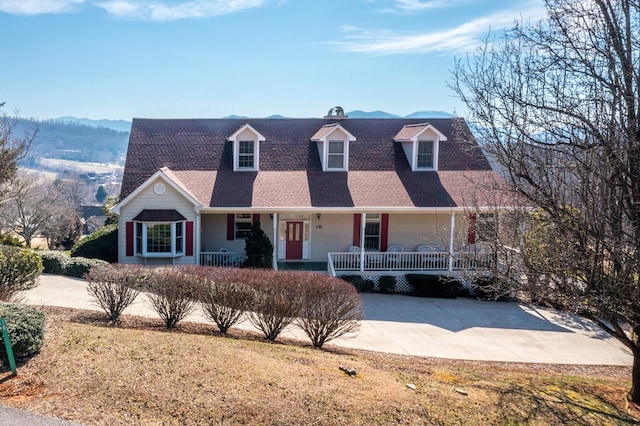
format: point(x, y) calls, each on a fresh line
point(395, 261)
point(426, 261)
point(354, 263)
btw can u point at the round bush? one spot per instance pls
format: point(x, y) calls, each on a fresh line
point(78, 266)
point(54, 261)
point(25, 325)
point(101, 244)
point(19, 270)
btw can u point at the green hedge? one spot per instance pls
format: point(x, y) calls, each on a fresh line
point(363, 285)
point(25, 325)
point(101, 244)
point(78, 266)
point(441, 286)
point(54, 261)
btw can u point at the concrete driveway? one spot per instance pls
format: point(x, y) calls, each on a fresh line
point(444, 328)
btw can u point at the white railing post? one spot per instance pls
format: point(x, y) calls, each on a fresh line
point(451, 234)
point(275, 241)
point(363, 224)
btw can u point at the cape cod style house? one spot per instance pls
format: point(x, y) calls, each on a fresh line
point(375, 196)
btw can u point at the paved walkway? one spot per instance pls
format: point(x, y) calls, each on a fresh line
point(444, 328)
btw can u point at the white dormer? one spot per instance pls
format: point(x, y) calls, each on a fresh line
point(246, 149)
point(421, 143)
point(333, 147)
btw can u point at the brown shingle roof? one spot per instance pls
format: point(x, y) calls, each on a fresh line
point(199, 157)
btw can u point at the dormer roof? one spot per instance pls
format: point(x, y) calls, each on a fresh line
point(325, 132)
point(412, 132)
point(241, 130)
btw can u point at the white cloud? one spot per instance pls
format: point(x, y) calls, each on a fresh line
point(37, 7)
point(461, 38)
point(417, 5)
point(166, 11)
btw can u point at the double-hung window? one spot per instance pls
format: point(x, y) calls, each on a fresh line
point(425, 155)
point(158, 239)
point(335, 154)
point(372, 232)
point(243, 222)
point(246, 154)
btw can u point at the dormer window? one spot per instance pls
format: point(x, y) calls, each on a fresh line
point(246, 154)
point(246, 148)
point(333, 147)
point(424, 158)
point(335, 155)
point(420, 143)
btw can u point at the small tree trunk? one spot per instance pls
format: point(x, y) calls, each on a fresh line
point(634, 393)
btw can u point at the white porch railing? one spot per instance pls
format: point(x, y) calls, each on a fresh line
point(339, 262)
point(222, 258)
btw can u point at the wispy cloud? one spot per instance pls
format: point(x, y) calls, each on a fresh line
point(37, 7)
point(418, 5)
point(461, 38)
point(169, 11)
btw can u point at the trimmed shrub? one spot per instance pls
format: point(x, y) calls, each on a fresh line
point(101, 244)
point(25, 325)
point(79, 266)
point(276, 301)
point(361, 284)
point(172, 292)
point(114, 287)
point(224, 298)
point(329, 308)
point(424, 285)
point(54, 261)
point(19, 270)
point(387, 284)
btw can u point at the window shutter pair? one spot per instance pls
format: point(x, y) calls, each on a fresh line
point(188, 239)
point(231, 225)
point(384, 230)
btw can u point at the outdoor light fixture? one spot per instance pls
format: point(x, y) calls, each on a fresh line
point(318, 216)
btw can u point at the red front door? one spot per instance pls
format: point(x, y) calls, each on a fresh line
point(294, 240)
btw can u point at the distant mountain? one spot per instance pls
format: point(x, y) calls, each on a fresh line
point(429, 114)
point(67, 140)
point(119, 125)
point(372, 114)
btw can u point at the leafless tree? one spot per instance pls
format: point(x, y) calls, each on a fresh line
point(32, 205)
point(14, 145)
point(557, 104)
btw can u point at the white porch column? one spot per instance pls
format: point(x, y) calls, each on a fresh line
point(197, 229)
point(363, 224)
point(275, 241)
point(451, 233)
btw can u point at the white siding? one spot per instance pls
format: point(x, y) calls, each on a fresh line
point(148, 199)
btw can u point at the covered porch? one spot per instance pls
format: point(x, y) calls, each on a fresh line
point(346, 242)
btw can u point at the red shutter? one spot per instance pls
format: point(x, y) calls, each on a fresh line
point(357, 224)
point(471, 234)
point(129, 238)
point(256, 218)
point(189, 239)
point(231, 227)
point(384, 232)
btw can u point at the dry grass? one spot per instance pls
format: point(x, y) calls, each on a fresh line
point(138, 373)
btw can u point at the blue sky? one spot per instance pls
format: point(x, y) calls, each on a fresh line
point(120, 59)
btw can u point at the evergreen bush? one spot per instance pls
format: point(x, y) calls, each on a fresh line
point(25, 325)
point(258, 248)
point(101, 244)
point(79, 266)
point(387, 284)
point(54, 261)
point(19, 270)
point(425, 285)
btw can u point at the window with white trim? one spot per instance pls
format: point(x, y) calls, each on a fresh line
point(335, 154)
point(243, 223)
point(246, 154)
point(159, 239)
point(424, 156)
point(372, 232)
